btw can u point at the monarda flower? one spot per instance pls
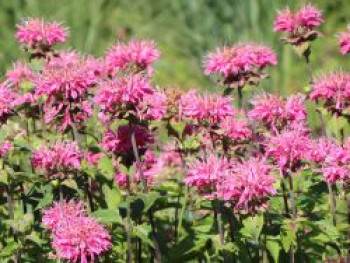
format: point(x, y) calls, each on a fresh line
point(300, 25)
point(135, 55)
point(119, 142)
point(65, 85)
point(59, 211)
point(118, 96)
point(235, 129)
point(334, 90)
point(5, 147)
point(240, 64)
point(206, 175)
point(248, 185)
point(7, 99)
point(58, 160)
point(20, 72)
point(289, 149)
point(38, 36)
point(276, 113)
point(75, 236)
point(207, 108)
point(344, 41)
point(153, 107)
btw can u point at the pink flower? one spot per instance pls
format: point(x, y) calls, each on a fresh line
point(75, 236)
point(276, 113)
point(206, 175)
point(139, 54)
point(119, 142)
point(7, 98)
point(249, 184)
point(5, 147)
point(344, 41)
point(240, 63)
point(285, 21)
point(320, 149)
point(121, 180)
point(334, 90)
point(289, 149)
point(153, 107)
point(60, 211)
point(309, 17)
point(235, 129)
point(20, 72)
point(210, 108)
point(115, 96)
point(93, 158)
point(33, 32)
point(58, 160)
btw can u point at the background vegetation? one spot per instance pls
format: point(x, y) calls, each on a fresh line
point(185, 29)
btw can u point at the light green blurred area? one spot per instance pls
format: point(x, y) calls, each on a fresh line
point(186, 30)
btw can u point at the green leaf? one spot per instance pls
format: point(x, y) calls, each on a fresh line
point(10, 249)
point(112, 196)
point(252, 227)
point(105, 166)
point(4, 177)
point(274, 248)
point(108, 216)
point(149, 199)
point(143, 231)
point(46, 200)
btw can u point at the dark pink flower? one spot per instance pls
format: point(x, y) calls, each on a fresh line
point(210, 108)
point(138, 54)
point(309, 17)
point(58, 160)
point(33, 32)
point(206, 175)
point(334, 90)
point(285, 21)
point(249, 184)
point(121, 179)
point(344, 41)
point(119, 142)
point(93, 158)
point(75, 236)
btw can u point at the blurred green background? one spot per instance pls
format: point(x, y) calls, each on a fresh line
point(185, 30)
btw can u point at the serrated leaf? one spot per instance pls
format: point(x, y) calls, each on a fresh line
point(112, 196)
point(252, 227)
point(274, 248)
point(107, 216)
point(143, 231)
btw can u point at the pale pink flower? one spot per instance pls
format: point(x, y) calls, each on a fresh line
point(211, 108)
point(344, 41)
point(289, 149)
point(275, 112)
point(119, 142)
point(52, 216)
point(309, 17)
point(138, 54)
point(19, 72)
point(248, 185)
point(285, 21)
point(58, 160)
point(93, 158)
point(240, 63)
point(235, 129)
point(320, 149)
point(33, 32)
point(334, 90)
point(5, 147)
point(206, 175)
point(153, 106)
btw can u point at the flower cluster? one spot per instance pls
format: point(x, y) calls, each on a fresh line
point(248, 185)
point(240, 63)
point(289, 149)
point(58, 160)
point(235, 129)
point(344, 41)
point(207, 108)
point(5, 147)
point(299, 25)
point(334, 90)
point(35, 34)
point(75, 235)
point(138, 55)
point(276, 113)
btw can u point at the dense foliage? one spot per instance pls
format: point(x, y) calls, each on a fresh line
point(99, 164)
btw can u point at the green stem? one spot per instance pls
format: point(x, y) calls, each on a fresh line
point(332, 203)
